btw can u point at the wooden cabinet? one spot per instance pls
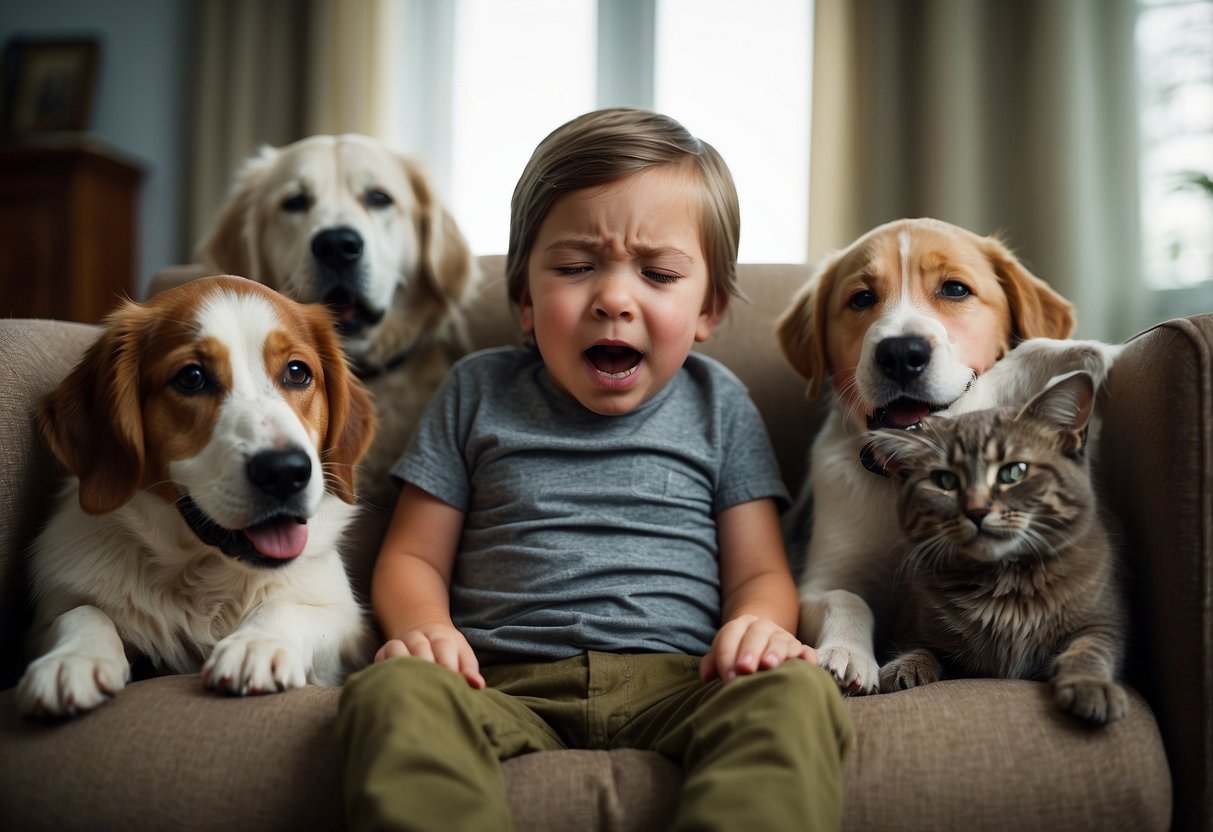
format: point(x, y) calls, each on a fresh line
point(68, 218)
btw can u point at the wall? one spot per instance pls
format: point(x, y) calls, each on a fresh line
point(140, 109)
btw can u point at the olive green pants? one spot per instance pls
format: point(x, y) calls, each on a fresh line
point(422, 749)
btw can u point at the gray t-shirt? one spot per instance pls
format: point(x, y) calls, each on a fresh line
point(587, 532)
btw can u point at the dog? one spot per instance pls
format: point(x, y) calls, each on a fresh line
point(904, 322)
point(347, 221)
point(211, 436)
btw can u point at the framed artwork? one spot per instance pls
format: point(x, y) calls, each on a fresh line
point(49, 86)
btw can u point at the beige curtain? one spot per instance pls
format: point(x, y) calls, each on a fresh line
point(1015, 116)
point(273, 71)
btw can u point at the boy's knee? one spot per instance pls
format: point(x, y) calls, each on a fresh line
point(399, 682)
point(794, 688)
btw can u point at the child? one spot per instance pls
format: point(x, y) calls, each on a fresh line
point(584, 517)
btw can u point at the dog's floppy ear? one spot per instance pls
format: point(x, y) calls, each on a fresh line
point(351, 424)
point(445, 258)
point(801, 329)
point(1036, 310)
point(93, 421)
point(230, 245)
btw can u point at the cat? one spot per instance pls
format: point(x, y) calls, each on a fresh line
point(1011, 571)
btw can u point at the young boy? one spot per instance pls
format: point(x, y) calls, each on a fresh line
point(585, 517)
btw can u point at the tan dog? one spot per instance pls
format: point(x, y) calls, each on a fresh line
point(899, 324)
point(346, 221)
point(211, 435)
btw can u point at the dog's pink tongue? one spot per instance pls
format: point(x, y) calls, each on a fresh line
point(906, 413)
point(278, 538)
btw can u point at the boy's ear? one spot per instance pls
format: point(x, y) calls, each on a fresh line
point(710, 315)
point(526, 311)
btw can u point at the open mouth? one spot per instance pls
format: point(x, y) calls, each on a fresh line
point(271, 542)
point(903, 414)
point(614, 361)
point(350, 312)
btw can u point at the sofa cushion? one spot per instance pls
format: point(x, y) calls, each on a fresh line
point(963, 754)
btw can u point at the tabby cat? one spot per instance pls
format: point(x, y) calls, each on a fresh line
point(1010, 571)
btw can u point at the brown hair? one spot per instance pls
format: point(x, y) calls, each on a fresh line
point(606, 145)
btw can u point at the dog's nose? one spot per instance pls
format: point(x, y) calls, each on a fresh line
point(903, 359)
point(337, 247)
point(280, 474)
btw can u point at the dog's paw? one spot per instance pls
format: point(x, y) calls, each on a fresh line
point(854, 671)
point(67, 684)
point(1091, 699)
point(909, 670)
point(244, 664)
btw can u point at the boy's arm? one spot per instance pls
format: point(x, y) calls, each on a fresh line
point(759, 604)
point(410, 589)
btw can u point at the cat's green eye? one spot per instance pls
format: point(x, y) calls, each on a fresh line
point(945, 480)
point(1012, 472)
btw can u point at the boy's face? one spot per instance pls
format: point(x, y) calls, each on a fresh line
point(617, 288)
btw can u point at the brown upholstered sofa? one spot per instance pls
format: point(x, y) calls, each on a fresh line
point(964, 754)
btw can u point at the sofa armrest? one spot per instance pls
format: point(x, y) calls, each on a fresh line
point(1156, 474)
point(34, 356)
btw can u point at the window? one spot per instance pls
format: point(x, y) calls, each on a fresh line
point(1175, 60)
point(486, 80)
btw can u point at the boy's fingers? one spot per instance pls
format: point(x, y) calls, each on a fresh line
point(419, 646)
point(707, 667)
point(391, 649)
point(809, 654)
point(446, 654)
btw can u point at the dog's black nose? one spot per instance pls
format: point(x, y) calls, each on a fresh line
point(337, 247)
point(280, 474)
point(903, 359)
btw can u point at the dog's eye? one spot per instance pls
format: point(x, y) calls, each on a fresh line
point(862, 300)
point(955, 290)
point(190, 379)
point(378, 199)
point(1012, 472)
point(945, 480)
point(297, 374)
point(297, 203)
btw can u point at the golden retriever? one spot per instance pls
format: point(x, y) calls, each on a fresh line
point(902, 323)
point(349, 222)
point(211, 436)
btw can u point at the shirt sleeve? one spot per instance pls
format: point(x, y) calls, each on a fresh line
point(434, 460)
point(749, 470)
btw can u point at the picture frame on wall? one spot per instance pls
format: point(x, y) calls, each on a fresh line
point(49, 86)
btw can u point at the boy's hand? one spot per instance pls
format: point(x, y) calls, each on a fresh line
point(747, 644)
point(439, 643)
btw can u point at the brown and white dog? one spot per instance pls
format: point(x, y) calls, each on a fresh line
point(906, 321)
point(347, 221)
point(211, 435)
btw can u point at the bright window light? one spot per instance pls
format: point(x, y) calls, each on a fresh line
point(1175, 60)
point(737, 74)
point(521, 69)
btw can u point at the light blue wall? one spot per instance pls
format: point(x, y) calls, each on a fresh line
point(142, 95)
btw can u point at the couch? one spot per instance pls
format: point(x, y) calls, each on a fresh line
point(959, 754)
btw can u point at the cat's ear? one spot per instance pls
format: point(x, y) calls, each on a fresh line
point(1066, 404)
point(895, 450)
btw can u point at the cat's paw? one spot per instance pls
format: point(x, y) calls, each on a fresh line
point(855, 671)
point(1093, 700)
point(909, 670)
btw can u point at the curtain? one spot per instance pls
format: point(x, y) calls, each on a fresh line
point(274, 71)
point(1008, 116)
